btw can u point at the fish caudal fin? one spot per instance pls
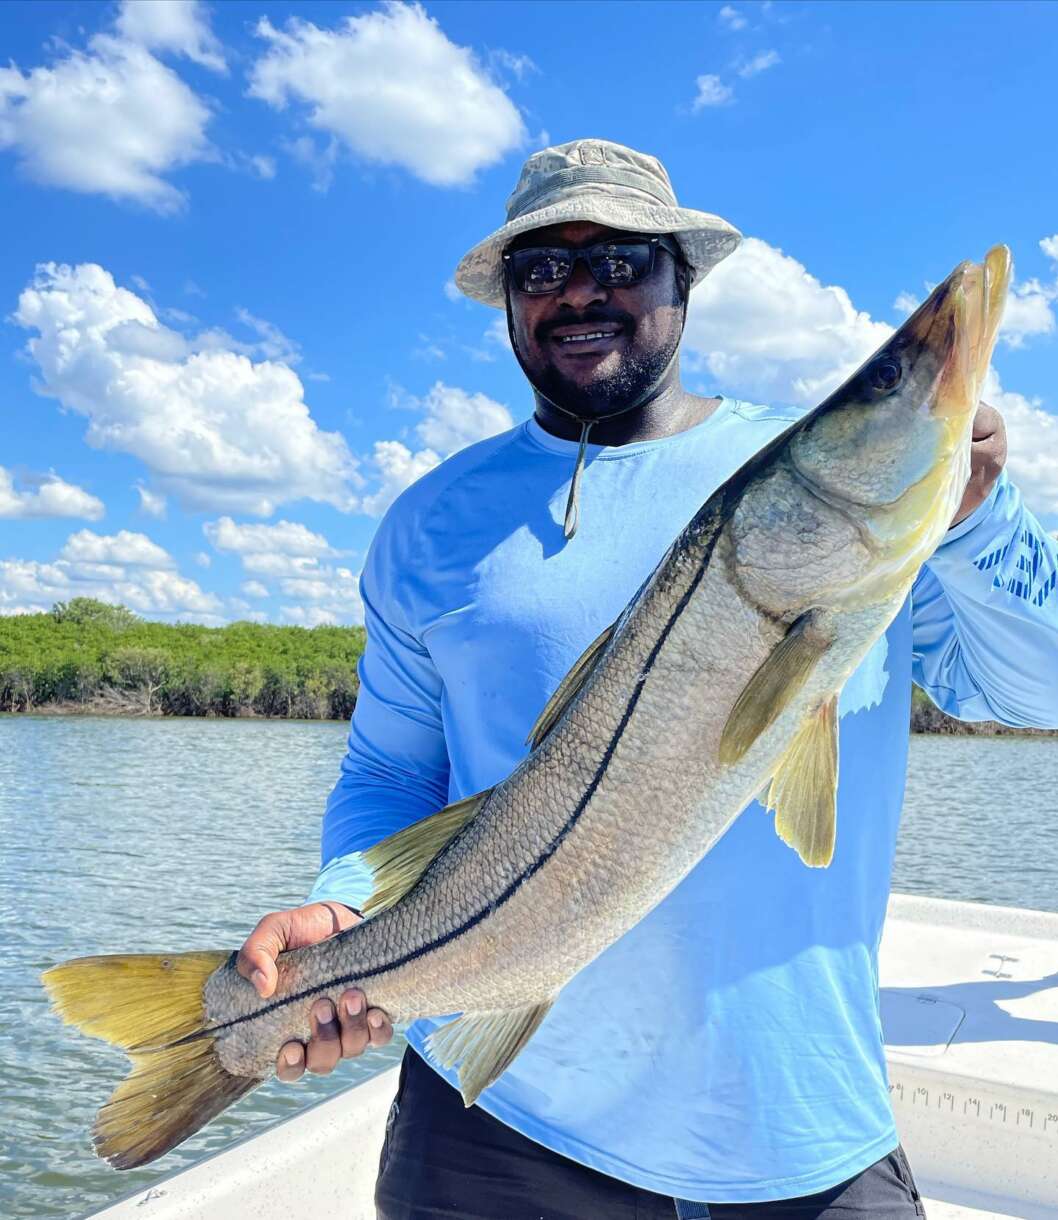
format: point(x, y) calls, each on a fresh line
point(484, 1044)
point(142, 1002)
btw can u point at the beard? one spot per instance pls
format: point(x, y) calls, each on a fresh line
point(635, 379)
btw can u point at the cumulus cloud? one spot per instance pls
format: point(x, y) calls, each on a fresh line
point(179, 26)
point(112, 119)
point(309, 616)
point(254, 588)
point(282, 538)
point(1032, 440)
point(711, 92)
point(1028, 313)
point(46, 496)
point(216, 429)
point(393, 89)
point(764, 327)
point(452, 418)
point(125, 567)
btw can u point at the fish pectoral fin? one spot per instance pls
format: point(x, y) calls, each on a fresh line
point(484, 1044)
point(774, 684)
point(804, 788)
point(398, 861)
point(581, 670)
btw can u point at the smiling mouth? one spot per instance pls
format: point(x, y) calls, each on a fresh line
point(586, 339)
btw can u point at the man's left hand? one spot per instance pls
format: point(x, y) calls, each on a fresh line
point(988, 455)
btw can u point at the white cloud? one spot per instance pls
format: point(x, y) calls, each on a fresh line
point(180, 26)
point(1032, 444)
point(451, 291)
point(311, 616)
point(151, 503)
point(125, 567)
point(391, 86)
point(253, 588)
point(111, 120)
point(906, 303)
point(760, 62)
point(396, 468)
point(731, 18)
point(455, 418)
point(451, 419)
point(711, 92)
point(203, 559)
point(124, 547)
point(1028, 312)
point(764, 327)
point(216, 429)
point(46, 496)
point(520, 66)
point(283, 538)
point(1049, 245)
point(272, 344)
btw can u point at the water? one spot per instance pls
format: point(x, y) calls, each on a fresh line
point(162, 834)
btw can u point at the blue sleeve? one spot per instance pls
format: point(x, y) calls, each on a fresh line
point(395, 769)
point(985, 617)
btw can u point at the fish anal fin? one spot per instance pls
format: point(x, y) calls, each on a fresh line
point(774, 684)
point(401, 859)
point(567, 689)
point(484, 1044)
point(803, 790)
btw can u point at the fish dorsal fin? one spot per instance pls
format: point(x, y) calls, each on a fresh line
point(774, 684)
point(401, 859)
point(484, 1044)
point(568, 688)
point(804, 789)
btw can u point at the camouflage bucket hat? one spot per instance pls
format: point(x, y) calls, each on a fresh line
point(607, 184)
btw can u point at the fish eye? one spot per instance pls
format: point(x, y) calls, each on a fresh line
point(885, 374)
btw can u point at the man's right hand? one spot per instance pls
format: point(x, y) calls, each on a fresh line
point(334, 1036)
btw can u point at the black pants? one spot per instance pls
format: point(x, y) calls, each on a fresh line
point(440, 1160)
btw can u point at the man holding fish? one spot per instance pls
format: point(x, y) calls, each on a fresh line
point(727, 1049)
point(665, 1013)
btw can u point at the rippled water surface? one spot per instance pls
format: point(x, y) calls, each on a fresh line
point(122, 835)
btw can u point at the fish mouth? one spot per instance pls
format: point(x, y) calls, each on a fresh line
point(960, 319)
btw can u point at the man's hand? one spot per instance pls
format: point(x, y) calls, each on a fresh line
point(334, 1036)
point(988, 455)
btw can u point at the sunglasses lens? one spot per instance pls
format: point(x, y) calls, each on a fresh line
point(619, 263)
point(540, 269)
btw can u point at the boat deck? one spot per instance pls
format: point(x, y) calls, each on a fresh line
point(970, 1010)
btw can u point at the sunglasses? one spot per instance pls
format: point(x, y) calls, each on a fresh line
point(615, 264)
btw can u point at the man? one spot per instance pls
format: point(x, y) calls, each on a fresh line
point(724, 1058)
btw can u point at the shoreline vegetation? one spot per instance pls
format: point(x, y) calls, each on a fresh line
point(87, 657)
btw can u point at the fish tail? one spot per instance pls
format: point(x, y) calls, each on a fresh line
point(145, 1003)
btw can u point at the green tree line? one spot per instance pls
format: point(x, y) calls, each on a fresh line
point(97, 657)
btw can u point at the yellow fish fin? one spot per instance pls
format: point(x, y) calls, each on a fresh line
point(804, 788)
point(774, 684)
point(401, 859)
point(137, 1001)
point(484, 1044)
point(568, 688)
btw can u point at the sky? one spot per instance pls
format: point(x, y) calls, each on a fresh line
point(229, 333)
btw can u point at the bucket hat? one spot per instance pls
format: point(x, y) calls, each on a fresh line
point(603, 182)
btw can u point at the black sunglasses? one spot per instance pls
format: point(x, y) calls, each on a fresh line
point(615, 264)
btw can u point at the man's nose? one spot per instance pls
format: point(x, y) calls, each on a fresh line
point(582, 288)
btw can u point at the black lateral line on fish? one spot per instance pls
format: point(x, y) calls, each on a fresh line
point(537, 864)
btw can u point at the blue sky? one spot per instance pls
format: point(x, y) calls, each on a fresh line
point(229, 333)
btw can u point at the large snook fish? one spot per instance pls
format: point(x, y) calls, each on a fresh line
point(720, 678)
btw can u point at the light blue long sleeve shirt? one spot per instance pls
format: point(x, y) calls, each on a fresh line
point(727, 1048)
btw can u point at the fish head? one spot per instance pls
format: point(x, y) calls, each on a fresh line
point(891, 446)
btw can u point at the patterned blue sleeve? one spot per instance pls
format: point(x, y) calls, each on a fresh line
point(395, 769)
point(985, 615)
